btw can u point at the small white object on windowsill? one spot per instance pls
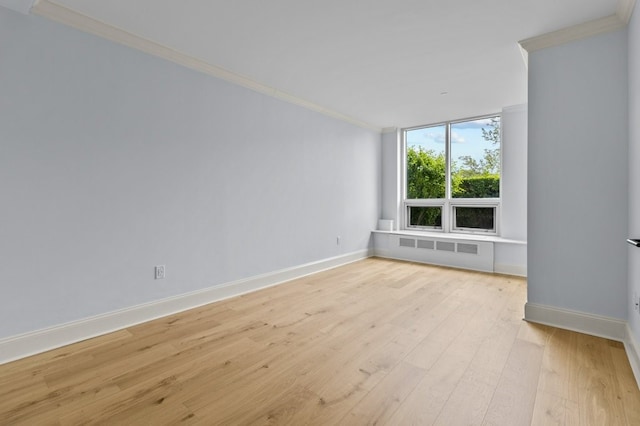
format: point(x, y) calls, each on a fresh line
point(385, 225)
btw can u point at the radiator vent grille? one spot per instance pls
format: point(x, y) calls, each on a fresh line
point(445, 246)
point(407, 242)
point(425, 244)
point(467, 248)
point(447, 250)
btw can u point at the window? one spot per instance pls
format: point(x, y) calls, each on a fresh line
point(425, 217)
point(472, 218)
point(452, 176)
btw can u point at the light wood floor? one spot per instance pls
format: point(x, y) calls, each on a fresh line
point(375, 342)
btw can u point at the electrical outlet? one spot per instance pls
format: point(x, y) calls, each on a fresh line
point(160, 272)
point(338, 240)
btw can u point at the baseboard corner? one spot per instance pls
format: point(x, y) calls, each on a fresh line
point(581, 322)
point(632, 348)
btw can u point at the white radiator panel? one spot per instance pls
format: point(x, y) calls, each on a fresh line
point(459, 253)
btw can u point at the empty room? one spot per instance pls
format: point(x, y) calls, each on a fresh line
point(341, 212)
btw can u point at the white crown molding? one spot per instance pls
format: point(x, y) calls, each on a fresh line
point(389, 130)
point(17, 347)
point(516, 108)
point(61, 14)
point(576, 32)
point(21, 6)
point(625, 10)
point(525, 55)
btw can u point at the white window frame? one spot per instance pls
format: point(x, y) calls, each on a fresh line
point(448, 204)
point(428, 203)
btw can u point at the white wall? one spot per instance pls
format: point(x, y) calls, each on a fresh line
point(391, 196)
point(634, 171)
point(511, 258)
point(113, 161)
point(577, 205)
point(513, 224)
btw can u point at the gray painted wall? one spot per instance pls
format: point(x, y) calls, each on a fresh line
point(577, 197)
point(113, 161)
point(512, 258)
point(634, 170)
point(514, 173)
point(391, 196)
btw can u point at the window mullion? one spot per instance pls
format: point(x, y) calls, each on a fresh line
point(447, 150)
point(446, 222)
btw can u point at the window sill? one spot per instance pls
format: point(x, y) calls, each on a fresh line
point(453, 236)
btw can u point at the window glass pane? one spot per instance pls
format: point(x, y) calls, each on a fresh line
point(426, 162)
point(482, 218)
point(475, 158)
point(428, 217)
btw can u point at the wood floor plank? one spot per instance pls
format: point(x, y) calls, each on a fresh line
point(553, 410)
point(467, 403)
point(373, 342)
point(559, 371)
point(514, 398)
point(432, 348)
point(383, 400)
point(154, 401)
point(599, 399)
point(425, 403)
point(627, 386)
point(492, 338)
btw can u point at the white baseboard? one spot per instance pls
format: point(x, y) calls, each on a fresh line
point(499, 268)
point(507, 269)
point(39, 341)
point(386, 254)
point(633, 353)
point(595, 325)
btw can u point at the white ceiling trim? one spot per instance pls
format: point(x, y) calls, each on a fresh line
point(576, 32)
point(525, 55)
point(58, 13)
point(625, 10)
point(22, 6)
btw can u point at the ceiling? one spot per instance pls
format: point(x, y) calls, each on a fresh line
point(387, 63)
